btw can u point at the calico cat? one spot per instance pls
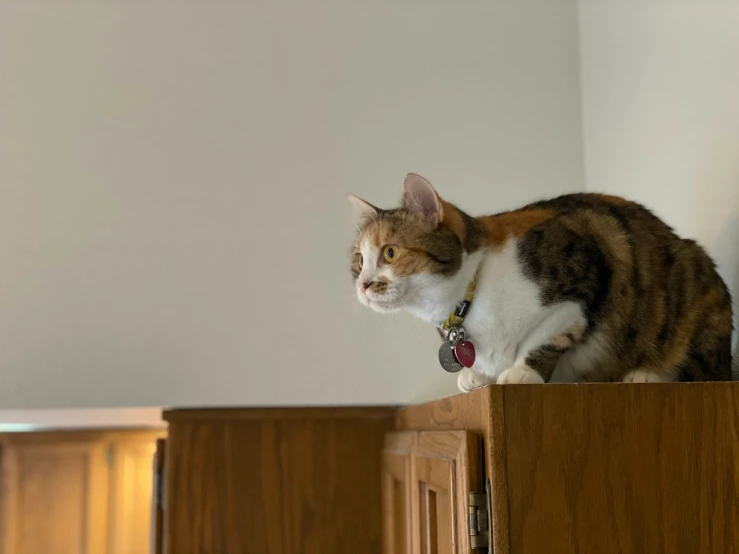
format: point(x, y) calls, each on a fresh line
point(583, 287)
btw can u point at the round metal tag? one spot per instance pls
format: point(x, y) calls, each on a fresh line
point(447, 359)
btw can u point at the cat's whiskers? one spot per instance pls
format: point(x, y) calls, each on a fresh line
point(396, 295)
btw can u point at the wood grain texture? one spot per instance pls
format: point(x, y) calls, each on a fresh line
point(496, 471)
point(76, 492)
point(281, 414)
point(56, 498)
point(434, 521)
point(447, 466)
point(275, 485)
point(481, 412)
point(130, 498)
point(468, 412)
point(623, 469)
point(397, 520)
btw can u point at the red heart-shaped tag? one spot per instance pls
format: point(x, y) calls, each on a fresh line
point(464, 351)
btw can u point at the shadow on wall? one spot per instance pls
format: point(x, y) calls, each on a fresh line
point(726, 255)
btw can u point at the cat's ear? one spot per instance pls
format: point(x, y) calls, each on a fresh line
point(363, 209)
point(420, 197)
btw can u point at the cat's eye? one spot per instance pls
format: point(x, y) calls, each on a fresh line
point(390, 253)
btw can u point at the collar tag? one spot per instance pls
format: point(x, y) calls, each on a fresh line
point(457, 352)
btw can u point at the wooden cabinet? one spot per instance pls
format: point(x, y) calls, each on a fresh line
point(519, 469)
point(612, 469)
point(446, 469)
point(274, 481)
point(130, 498)
point(427, 481)
point(76, 492)
point(55, 492)
point(397, 492)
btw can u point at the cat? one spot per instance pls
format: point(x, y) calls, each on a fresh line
point(583, 287)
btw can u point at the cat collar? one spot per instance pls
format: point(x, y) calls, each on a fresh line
point(457, 352)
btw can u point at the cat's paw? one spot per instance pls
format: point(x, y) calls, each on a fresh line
point(469, 379)
point(646, 376)
point(520, 374)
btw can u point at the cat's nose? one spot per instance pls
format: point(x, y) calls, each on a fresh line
point(363, 286)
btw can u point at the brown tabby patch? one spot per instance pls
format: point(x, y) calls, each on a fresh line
point(500, 228)
point(421, 247)
point(656, 296)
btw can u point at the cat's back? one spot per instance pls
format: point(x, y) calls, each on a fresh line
point(656, 299)
point(630, 216)
point(577, 201)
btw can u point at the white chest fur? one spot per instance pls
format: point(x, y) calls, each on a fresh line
point(507, 318)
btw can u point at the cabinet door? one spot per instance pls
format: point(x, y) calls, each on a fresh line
point(56, 498)
point(396, 492)
point(446, 468)
point(132, 489)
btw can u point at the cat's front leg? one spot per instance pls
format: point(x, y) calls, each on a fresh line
point(520, 374)
point(469, 379)
point(537, 365)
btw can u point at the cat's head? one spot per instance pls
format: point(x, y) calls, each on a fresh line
point(404, 257)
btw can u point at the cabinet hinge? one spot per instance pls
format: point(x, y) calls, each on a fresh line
point(480, 518)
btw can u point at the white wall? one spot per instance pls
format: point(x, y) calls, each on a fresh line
point(173, 228)
point(661, 113)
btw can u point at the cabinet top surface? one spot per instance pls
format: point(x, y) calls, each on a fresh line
point(363, 412)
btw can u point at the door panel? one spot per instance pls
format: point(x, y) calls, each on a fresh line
point(76, 492)
point(446, 467)
point(57, 501)
point(396, 492)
